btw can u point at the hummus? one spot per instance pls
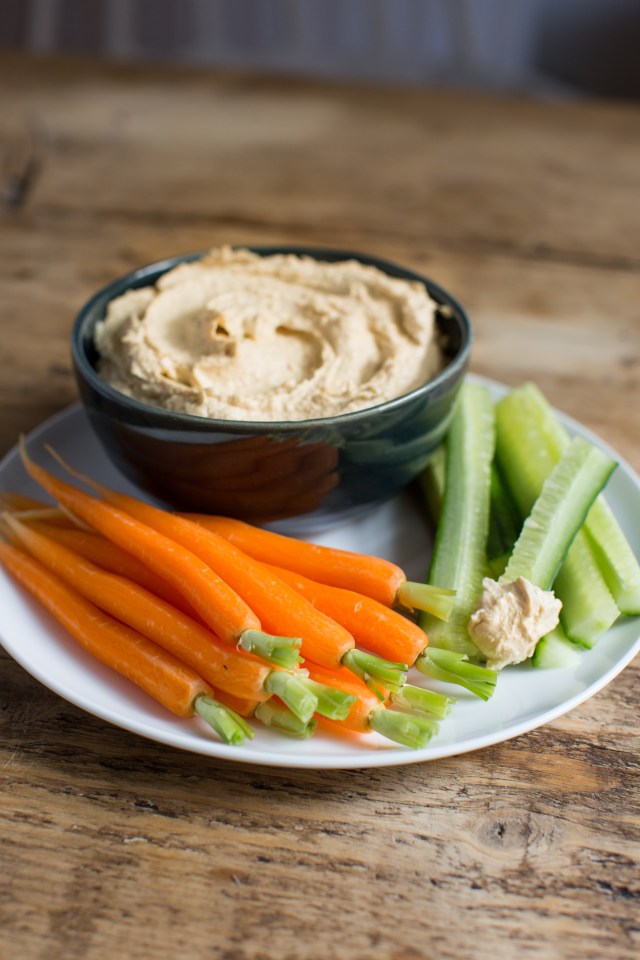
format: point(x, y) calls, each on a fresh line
point(238, 336)
point(510, 619)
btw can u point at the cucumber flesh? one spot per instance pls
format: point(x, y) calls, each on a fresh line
point(555, 650)
point(528, 444)
point(459, 553)
point(558, 513)
point(611, 549)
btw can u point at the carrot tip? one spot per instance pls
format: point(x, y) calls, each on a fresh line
point(81, 477)
point(22, 447)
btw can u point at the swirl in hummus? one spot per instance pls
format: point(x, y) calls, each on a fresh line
point(239, 336)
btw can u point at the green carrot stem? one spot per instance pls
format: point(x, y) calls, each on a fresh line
point(371, 669)
point(280, 651)
point(454, 667)
point(438, 601)
point(282, 719)
point(294, 692)
point(231, 727)
point(332, 703)
point(422, 701)
point(405, 728)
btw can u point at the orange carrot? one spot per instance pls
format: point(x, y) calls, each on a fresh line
point(218, 605)
point(365, 704)
point(372, 576)
point(416, 704)
point(276, 604)
point(236, 673)
point(280, 609)
point(367, 714)
point(239, 705)
point(155, 671)
point(373, 625)
point(105, 554)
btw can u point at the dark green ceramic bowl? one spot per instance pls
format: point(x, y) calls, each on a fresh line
point(320, 471)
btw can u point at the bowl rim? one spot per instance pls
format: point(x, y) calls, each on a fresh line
point(149, 274)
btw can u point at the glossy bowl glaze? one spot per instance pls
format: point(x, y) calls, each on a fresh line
point(317, 471)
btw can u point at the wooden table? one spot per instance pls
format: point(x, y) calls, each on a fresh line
point(530, 213)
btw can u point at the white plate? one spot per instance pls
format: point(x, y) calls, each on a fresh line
point(524, 698)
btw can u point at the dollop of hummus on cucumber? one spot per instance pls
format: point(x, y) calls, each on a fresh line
point(510, 619)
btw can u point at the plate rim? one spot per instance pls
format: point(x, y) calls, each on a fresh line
point(370, 758)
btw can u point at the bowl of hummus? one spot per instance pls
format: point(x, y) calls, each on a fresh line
point(271, 383)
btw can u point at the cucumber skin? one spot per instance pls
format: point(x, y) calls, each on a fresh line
point(432, 483)
point(611, 550)
point(558, 513)
point(459, 554)
point(526, 459)
point(504, 520)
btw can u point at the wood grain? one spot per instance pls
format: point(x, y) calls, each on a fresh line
point(114, 846)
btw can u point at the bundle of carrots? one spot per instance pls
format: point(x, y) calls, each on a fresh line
point(214, 617)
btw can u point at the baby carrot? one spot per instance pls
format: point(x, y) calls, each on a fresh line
point(237, 673)
point(272, 713)
point(105, 554)
point(365, 700)
point(372, 624)
point(220, 607)
point(388, 634)
point(278, 606)
point(372, 576)
point(174, 685)
point(240, 705)
point(273, 602)
point(367, 714)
